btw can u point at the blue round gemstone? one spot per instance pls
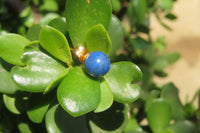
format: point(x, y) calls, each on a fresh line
point(97, 63)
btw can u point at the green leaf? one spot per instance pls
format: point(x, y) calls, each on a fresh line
point(26, 126)
point(183, 127)
point(83, 15)
point(170, 94)
point(59, 121)
point(116, 34)
point(147, 77)
point(172, 57)
point(171, 16)
point(160, 44)
point(54, 83)
point(15, 103)
point(78, 93)
point(55, 43)
point(59, 23)
point(121, 79)
point(161, 62)
point(113, 120)
point(106, 97)
point(12, 48)
point(38, 105)
point(48, 17)
point(33, 32)
point(6, 83)
point(137, 12)
point(49, 5)
point(140, 7)
point(159, 115)
point(133, 127)
point(97, 39)
point(150, 55)
point(40, 70)
point(116, 5)
point(166, 4)
point(139, 46)
point(154, 94)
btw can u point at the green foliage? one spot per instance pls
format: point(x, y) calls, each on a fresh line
point(59, 121)
point(122, 78)
point(116, 34)
point(106, 97)
point(97, 39)
point(78, 89)
point(6, 79)
point(12, 46)
point(45, 88)
point(159, 115)
point(41, 69)
point(55, 43)
point(89, 14)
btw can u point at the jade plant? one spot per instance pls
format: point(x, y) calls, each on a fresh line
point(79, 70)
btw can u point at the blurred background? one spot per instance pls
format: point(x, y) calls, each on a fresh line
point(184, 38)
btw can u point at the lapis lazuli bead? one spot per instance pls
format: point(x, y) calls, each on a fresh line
point(97, 63)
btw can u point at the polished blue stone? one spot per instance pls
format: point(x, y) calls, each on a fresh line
point(97, 63)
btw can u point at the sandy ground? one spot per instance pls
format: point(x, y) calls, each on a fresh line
point(185, 38)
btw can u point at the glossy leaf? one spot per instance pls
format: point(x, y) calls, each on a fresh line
point(170, 94)
point(122, 78)
point(159, 115)
point(59, 121)
point(12, 48)
point(183, 127)
point(83, 15)
point(15, 103)
point(60, 24)
point(106, 97)
point(38, 105)
point(55, 43)
point(78, 93)
point(97, 39)
point(113, 120)
point(40, 70)
point(6, 83)
point(116, 34)
point(33, 32)
point(54, 83)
